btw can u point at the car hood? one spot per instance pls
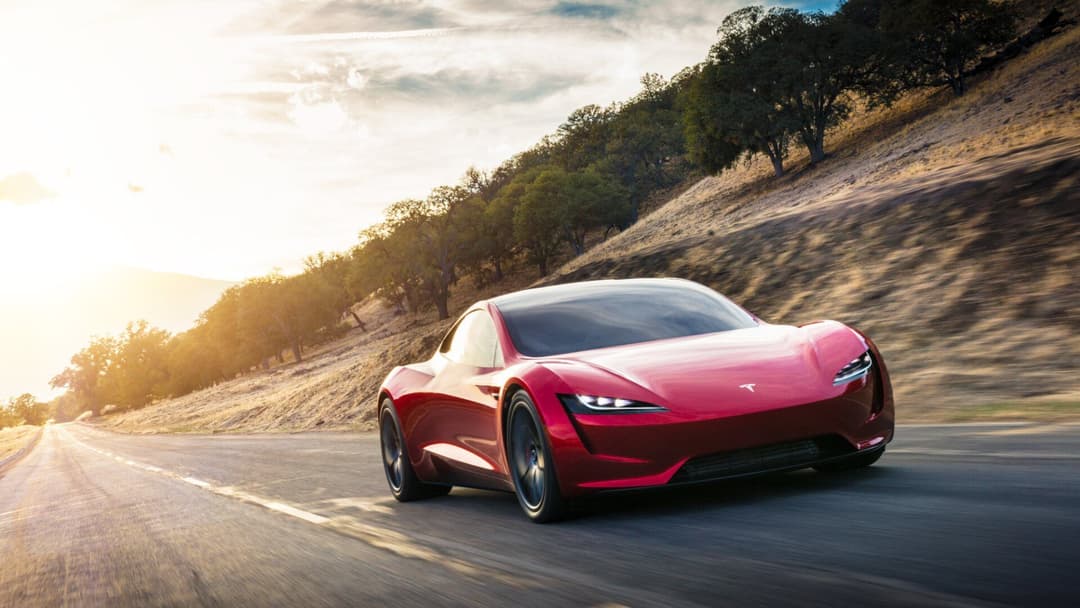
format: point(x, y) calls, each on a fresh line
point(728, 373)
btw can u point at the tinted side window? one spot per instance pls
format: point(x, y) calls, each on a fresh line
point(474, 341)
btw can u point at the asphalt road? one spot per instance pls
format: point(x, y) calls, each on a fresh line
point(951, 516)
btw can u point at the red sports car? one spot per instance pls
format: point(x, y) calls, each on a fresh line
point(561, 391)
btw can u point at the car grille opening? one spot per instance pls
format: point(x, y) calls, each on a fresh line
point(764, 459)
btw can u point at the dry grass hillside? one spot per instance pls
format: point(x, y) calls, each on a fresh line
point(13, 439)
point(946, 228)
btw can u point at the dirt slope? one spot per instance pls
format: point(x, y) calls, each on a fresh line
point(946, 228)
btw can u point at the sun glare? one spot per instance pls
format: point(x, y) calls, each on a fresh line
point(95, 124)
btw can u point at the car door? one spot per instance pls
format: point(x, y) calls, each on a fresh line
point(462, 414)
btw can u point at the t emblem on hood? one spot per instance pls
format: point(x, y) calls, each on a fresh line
point(749, 387)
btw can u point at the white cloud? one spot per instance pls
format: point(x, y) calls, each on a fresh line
point(318, 118)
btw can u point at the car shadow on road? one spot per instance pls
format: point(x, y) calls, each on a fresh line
point(728, 493)
point(680, 499)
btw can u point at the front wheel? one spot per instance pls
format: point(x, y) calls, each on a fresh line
point(531, 465)
point(855, 461)
point(404, 484)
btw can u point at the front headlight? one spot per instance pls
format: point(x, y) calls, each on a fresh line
point(858, 368)
point(597, 404)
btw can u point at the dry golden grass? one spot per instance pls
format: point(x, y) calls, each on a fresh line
point(14, 438)
point(946, 228)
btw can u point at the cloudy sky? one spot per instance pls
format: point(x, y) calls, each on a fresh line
point(224, 139)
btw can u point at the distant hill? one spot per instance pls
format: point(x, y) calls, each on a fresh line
point(54, 326)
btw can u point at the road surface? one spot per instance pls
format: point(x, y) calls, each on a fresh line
point(973, 515)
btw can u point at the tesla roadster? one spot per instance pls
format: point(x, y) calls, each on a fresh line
point(558, 392)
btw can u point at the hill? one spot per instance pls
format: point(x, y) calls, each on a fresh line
point(55, 325)
point(944, 227)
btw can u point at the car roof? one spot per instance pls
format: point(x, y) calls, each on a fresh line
point(569, 291)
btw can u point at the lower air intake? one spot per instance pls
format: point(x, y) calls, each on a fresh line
point(764, 459)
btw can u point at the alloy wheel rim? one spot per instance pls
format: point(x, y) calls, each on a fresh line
point(528, 460)
point(392, 453)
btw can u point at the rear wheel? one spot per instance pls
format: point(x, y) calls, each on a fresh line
point(403, 482)
point(531, 465)
point(855, 461)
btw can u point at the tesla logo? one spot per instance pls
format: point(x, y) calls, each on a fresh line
point(749, 387)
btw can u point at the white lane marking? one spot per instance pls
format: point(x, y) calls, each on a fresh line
point(196, 482)
point(297, 513)
point(222, 490)
point(375, 536)
point(364, 504)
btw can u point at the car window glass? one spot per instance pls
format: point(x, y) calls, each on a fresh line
point(474, 341)
point(544, 324)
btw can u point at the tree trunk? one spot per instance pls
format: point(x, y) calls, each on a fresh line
point(774, 149)
point(543, 265)
point(442, 297)
point(634, 204)
point(815, 144)
point(497, 261)
point(280, 357)
point(296, 350)
point(410, 299)
point(957, 84)
point(777, 165)
point(577, 242)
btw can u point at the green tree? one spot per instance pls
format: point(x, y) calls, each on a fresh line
point(733, 104)
point(443, 242)
point(538, 221)
point(387, 261)
point(7, 417)
point(138, 370)
point(223, 342)
point(557, 207)
point(773, 73)
point(28, 410)
point(820, 60)
point(260, 324)
point(84, 376)
point(644, 136)
point(728, 115)
point(593, 201)
point(333, 271)
point(194, 362)
point(944, 39)
point(279, 313)
point(583, 138)
point(416, 251)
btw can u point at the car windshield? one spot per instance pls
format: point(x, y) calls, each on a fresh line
point(572, 318)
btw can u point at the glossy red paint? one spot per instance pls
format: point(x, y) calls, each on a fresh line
point(723, 391)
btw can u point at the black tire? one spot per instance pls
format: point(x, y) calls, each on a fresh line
point(857, 461)
point(532, 468)
point(404, 484)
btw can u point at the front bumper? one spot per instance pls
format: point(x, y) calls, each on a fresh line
point(595, 453)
